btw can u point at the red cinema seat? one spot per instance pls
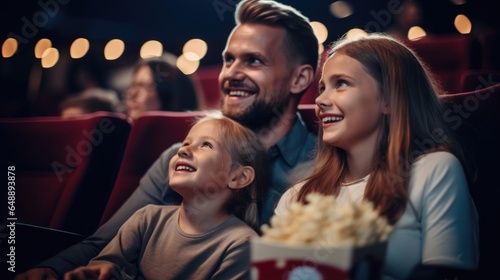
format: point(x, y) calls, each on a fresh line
point(308, 115)
point(310, 95)
point(446, 56)
point(64, 169)
point(151, 134)
point(476, 117)
point(477, 79)
point(208, 81)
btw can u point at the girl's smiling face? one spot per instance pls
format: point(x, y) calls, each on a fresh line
point(202, 162)
point(349, 105)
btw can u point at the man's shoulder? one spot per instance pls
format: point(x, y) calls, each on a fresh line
point(302, 141)
point(299, 137)
point(168, 153)
point(172, 149)
point(310, 141)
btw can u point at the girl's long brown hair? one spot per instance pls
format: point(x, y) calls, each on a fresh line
point(408, 131)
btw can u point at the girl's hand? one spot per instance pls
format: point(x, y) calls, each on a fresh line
point(99, 271)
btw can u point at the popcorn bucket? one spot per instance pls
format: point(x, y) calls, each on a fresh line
point(274, 260)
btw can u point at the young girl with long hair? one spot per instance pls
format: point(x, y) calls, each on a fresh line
point(385, 139)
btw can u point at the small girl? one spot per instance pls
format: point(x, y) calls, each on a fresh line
point(220, 171)
point(384, 139)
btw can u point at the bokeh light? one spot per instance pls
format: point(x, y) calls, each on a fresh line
point(42, 45)
point(114, 49)
point(9, 47)
point(355, 33)
point(195, 49)
point(463, 24)
point(416, 33)
point(49, 57)
point(321, 48)
point(320, 31)
point(341, 9)
point(79, 48)
point(187, 66)
point(151, 48)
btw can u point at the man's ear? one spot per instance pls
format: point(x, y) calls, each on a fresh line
point(302, 77)
point(241, 177)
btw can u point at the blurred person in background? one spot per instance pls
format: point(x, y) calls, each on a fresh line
point(90, 101)
point(158, 85)
point(410, 15)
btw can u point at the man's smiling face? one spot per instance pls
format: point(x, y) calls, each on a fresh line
point(255, 75)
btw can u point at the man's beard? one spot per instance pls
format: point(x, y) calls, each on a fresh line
point(260, 115)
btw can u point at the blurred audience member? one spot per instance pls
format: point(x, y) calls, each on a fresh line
point(158, 85)
point(90, 101)
point(410, 15)
point(87, 72)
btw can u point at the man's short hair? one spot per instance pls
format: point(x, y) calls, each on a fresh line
point(300, 44)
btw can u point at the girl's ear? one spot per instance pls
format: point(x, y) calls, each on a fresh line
point(241, 177)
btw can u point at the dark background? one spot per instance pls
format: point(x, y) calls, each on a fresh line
point(173, 23)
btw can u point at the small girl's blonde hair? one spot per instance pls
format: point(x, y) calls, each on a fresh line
point(245, 149)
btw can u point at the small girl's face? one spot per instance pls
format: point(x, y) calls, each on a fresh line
point(202, 162)
point(349, 106)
